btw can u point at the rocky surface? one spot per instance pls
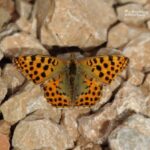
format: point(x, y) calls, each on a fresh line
point(127, 33)
point(138, 52)
point(12, 77)
point(121, 118)
point(21, 44)
point(23, 103)
point(133, 13)
point(79, 27)
point(136, 129)
point(39, 134)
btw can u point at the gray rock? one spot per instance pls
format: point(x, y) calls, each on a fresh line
point(134, 134)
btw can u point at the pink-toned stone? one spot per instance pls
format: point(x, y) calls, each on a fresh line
point(4, 142)
point(4, 127)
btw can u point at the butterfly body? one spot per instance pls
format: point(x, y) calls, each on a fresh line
point(72, 82)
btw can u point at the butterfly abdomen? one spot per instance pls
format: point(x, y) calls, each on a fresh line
point(72, 74)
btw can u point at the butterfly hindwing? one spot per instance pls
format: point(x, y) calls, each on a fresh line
point(104, 68)
point(57, 91)
point(87, 90)
point(37, 67)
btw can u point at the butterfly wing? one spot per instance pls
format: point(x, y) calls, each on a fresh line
point(38, 68)
point(57, 91)
point(87, 90)
point(104, 68)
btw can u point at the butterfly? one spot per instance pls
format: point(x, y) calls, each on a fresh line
point(71, 82)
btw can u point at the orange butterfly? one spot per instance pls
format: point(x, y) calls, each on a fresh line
point(73, 82)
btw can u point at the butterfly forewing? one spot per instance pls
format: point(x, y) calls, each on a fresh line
point(104, 68)
point(38, 68)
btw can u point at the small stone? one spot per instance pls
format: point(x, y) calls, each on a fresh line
point(3, 89)
point(8, 30)
point(89, 146)
point(4, 127)
point(136, 129)
point(136, 77)
point(12, 77)
point(71, 23)
point(86, 145)
point(127, 33)
point(134, 14)
point(21, 44)
point(39, 134)
point(26, 101)
point(137, 50)
point(4, 142)
point(27, 26)
point(23, 8)
point(5, 17)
